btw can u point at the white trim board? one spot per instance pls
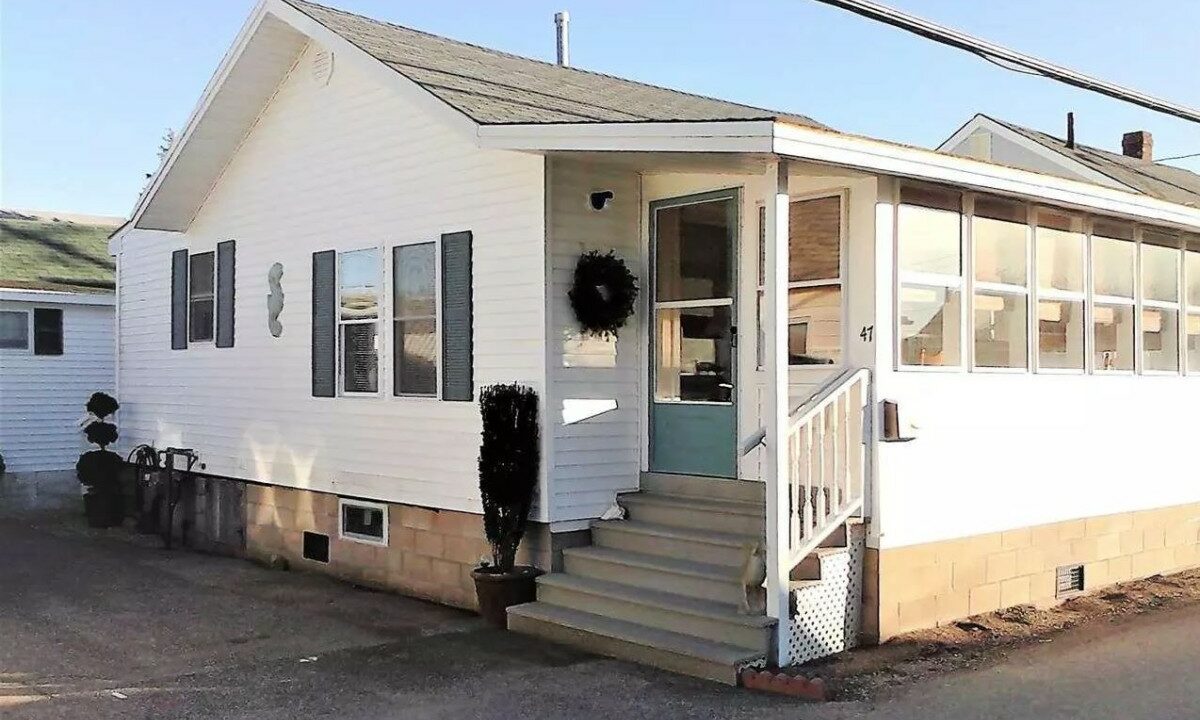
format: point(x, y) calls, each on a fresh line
point(57, 297)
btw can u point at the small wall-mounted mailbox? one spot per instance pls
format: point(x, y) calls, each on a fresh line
point(895, 427)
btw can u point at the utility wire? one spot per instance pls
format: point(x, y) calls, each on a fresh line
point(994, 52)
point(1179, 157)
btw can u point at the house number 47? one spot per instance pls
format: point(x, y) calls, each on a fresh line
point(868, 333)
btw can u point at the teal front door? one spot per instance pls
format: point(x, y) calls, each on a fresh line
point(693, 417)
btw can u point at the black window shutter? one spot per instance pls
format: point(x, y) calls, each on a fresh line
point(457, 365)
point(324, 323)
point(179, 299)
point(47, 331)
point(225, 275)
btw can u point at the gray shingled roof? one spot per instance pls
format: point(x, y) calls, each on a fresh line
point(495, 88)
point(1157, 180)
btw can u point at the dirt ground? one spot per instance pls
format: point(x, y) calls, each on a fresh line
point(979, 641)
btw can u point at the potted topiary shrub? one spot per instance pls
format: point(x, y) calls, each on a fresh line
point(100, 470)
point(508, 475)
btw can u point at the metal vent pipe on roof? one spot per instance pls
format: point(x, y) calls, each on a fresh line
point(561, 19)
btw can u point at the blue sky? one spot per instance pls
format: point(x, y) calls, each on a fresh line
point(87, 87)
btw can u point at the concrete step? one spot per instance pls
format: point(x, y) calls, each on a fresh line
point(722, 515)
point(655, 572)
point(631, 641)
point(704, 487)
point(683, 543)
point(718, 622)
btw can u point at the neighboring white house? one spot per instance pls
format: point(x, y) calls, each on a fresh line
point(832, 353)
point(57, 340)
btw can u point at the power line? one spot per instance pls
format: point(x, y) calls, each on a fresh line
point(1179, 157)
point(994, 53)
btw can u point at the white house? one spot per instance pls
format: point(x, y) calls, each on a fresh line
point(57, 342)
point(833, 351)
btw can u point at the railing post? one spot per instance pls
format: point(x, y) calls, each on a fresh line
point(775, 312)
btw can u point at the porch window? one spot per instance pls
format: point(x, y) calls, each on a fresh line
point(1060, 251)
point(1192, 324)
point(359, 283)
point(1113, 284)
point(415, 306)
point(929, 229)
point(815, 281)
point(201, 297)
point(1000, 233)
point(1161, 260)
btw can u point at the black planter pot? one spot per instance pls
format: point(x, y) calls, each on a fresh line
point(103, 509)
point(498, 591)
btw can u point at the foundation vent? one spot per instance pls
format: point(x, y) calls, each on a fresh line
point(1069, 580)
point(315, 547)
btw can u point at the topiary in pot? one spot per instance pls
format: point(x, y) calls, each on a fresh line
point(100, 470)
point(509, 456)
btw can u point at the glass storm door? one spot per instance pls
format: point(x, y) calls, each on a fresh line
point(693, 419)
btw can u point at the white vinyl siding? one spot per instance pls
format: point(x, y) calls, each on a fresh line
point(336, 167)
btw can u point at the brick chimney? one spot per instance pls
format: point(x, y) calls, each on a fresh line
point(1138, 144)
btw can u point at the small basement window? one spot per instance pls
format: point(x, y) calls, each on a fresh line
point(363, 521)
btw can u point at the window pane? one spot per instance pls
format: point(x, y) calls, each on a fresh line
point(364, 521)
point(47, 331)
point(694, 251)
point(358, 280)
point(1112, 266)
point(930, 240)
point(1193, 344)
point(200, 275)
point(815, 325)
point(1160, 273)
point(1113, 328)
point(1000, 251)
point(1160, 339)
point(416, 357)
point(360, 359)
point(814, 239)
point(929, 326)
point(1060, 334)
point(14, 330)
point(413, 275)
point(1193, 278)
point(695, 354)
point(1000, 330)
point(200, 319)
point(1060, 243)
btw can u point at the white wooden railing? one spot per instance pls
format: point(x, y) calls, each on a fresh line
point(827, 465)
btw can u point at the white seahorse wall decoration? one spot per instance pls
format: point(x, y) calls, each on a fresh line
point(275, 299)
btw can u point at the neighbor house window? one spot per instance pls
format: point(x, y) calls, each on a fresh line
point(929, 230)
point(1114, 277)
point(1000, 233)
point(359, 283)
point(14, 330)
point(201, 300)
point(414, 285)
point(1191, 324)
point(1161, 261)
point(363, 521)
point(1060, 249)
point(815, 281)
point(47, 331)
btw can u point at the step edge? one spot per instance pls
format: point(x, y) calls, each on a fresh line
point(681, 533)
point(719, 573)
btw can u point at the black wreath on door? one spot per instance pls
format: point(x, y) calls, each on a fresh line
point(603, 293)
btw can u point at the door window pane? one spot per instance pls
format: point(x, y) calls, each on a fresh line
point(814, 239)
point(1000, 231)
point(929, 325)
point(1060, 334)
point(14, 330)
point(360, 358)
point(815, 325)
point(1160, 339)
point(693, 258)
point(1193, 343)
point(1113, 328)
point(930, 232)
point(1060, 243)
point(358, 282)
point(1160, 273)
point(1112, 266)
point(694, 354)
point(1000, 330)
point(415, 300)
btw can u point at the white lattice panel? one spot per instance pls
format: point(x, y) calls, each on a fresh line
point(828, 614)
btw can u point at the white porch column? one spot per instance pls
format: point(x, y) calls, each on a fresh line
point(775, 321)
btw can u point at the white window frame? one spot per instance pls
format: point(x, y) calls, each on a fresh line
point(381, 345)
point(28, 349)
point(1178, 307)
point(390, 291)
point(1038, 293)
point(343, 534)
point(1188, 308)
point(1095, 300)
point(974, 285)
point(212, 297)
